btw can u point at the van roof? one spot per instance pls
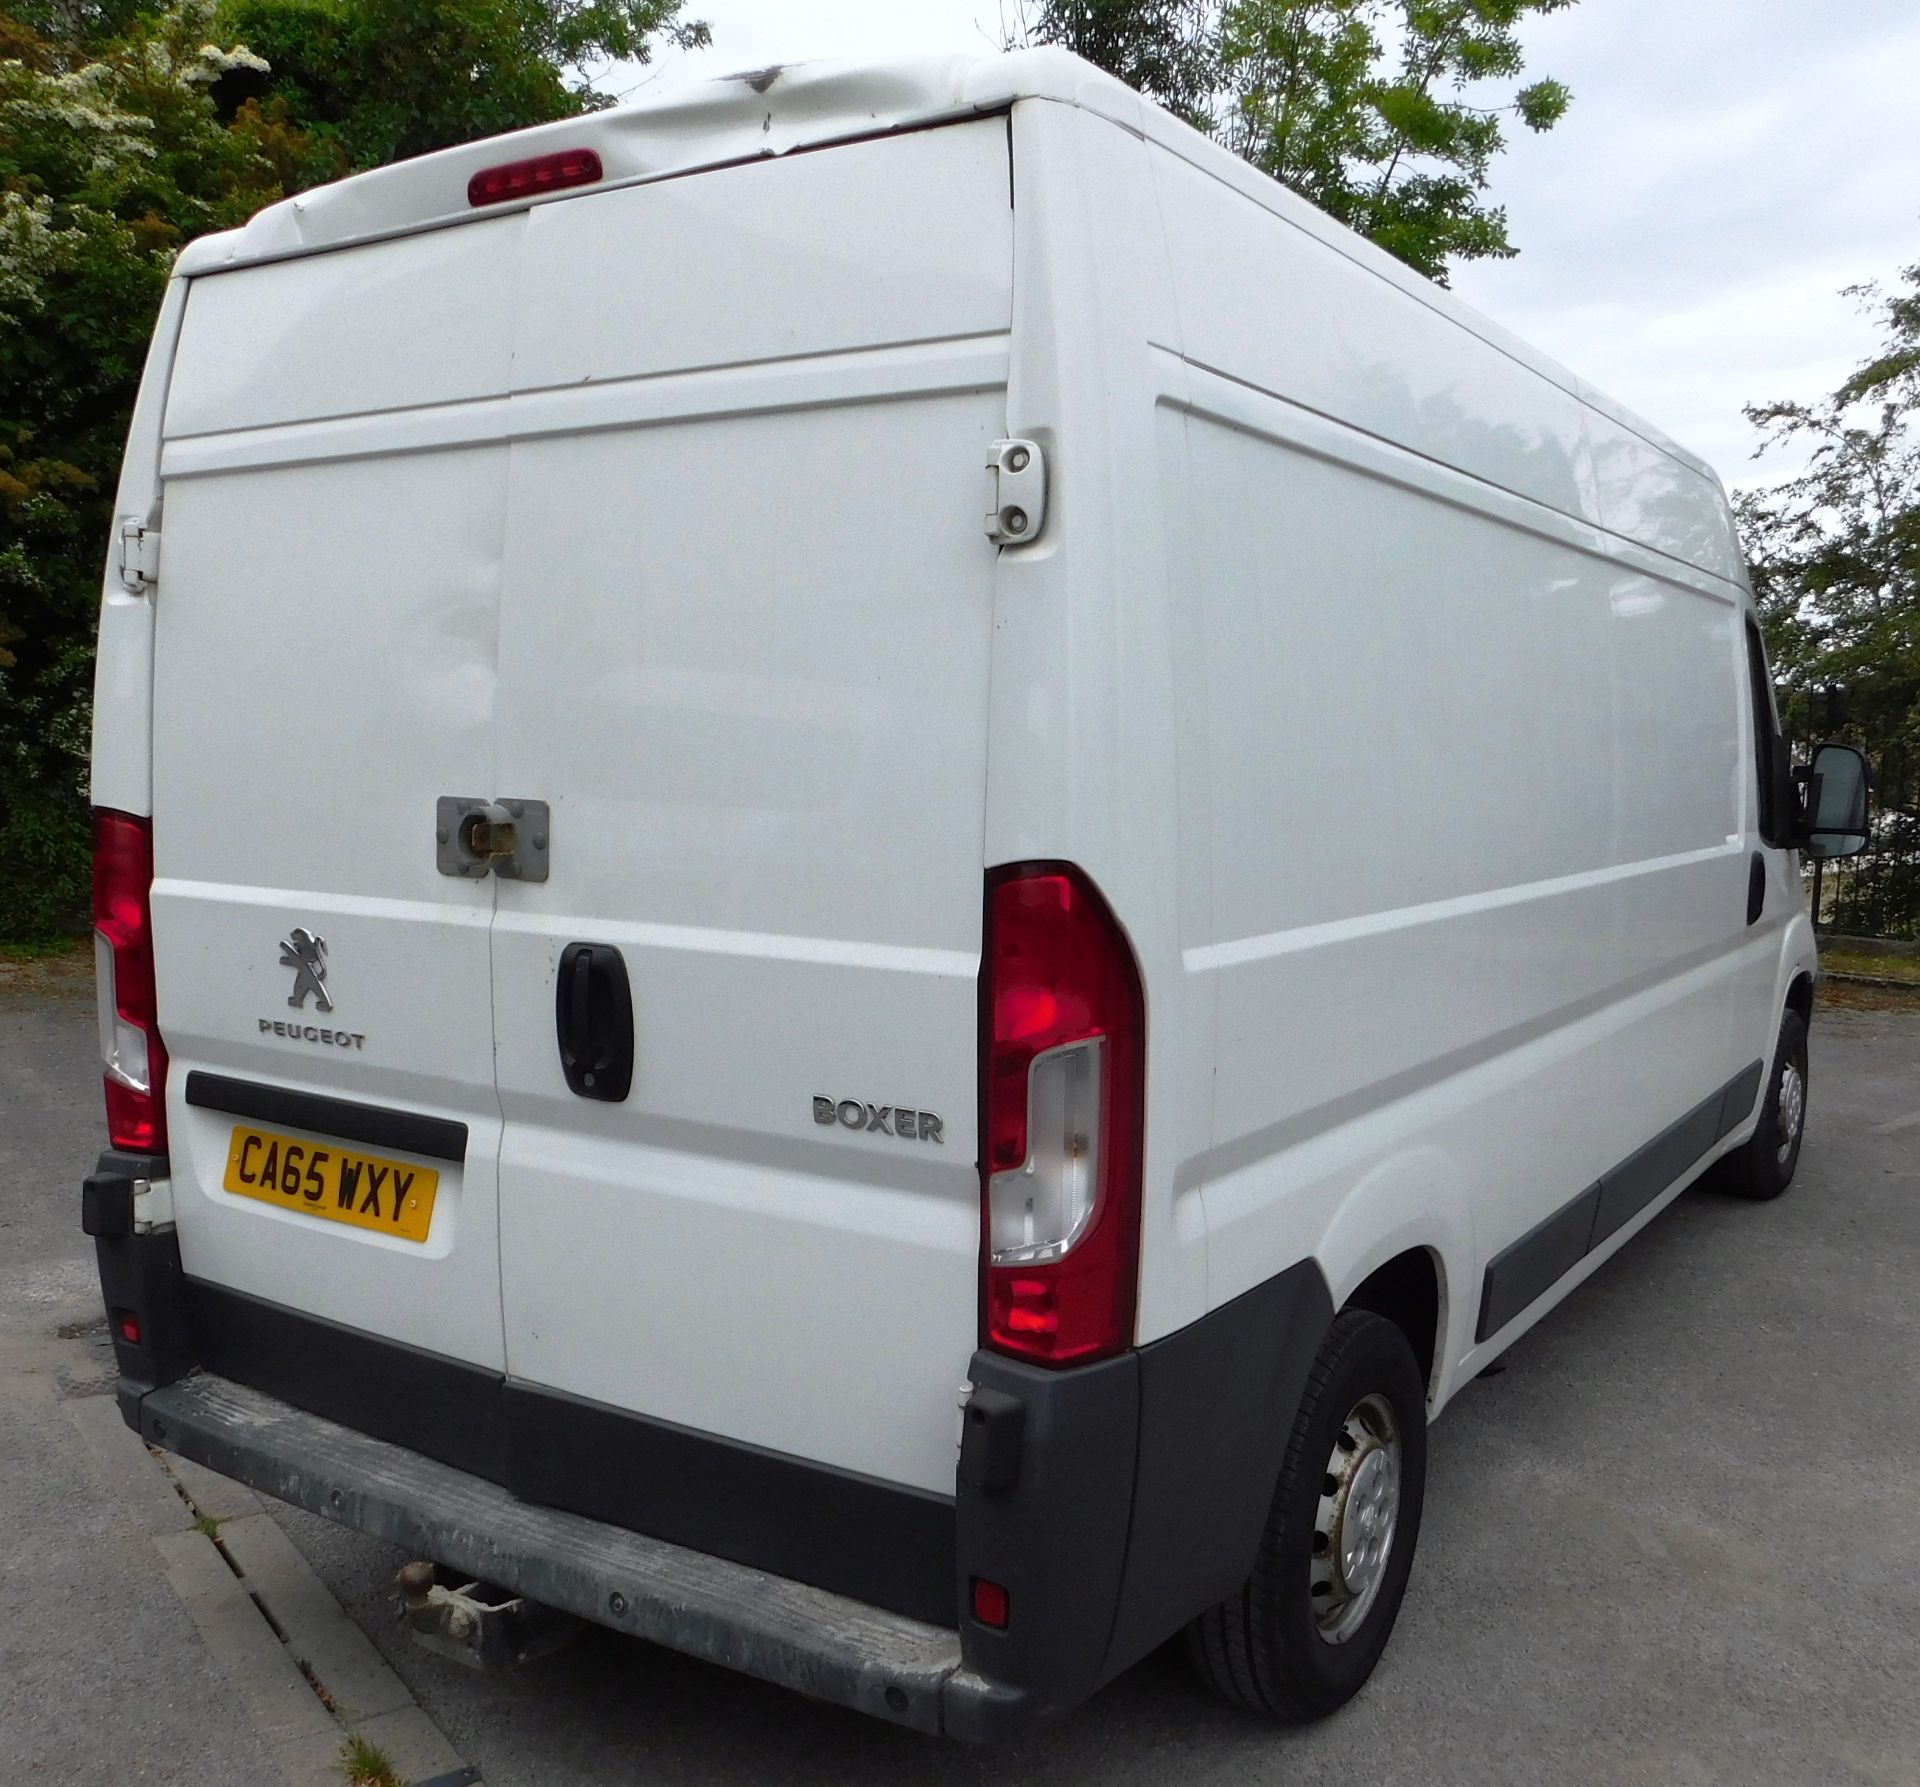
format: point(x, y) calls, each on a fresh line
point(737, 117)
point(774, 111)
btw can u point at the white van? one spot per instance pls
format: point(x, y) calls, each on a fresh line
point(881, 862)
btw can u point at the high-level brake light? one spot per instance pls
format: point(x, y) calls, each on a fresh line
point(131, 1051)
point(537, 174)
point(1064, 1091)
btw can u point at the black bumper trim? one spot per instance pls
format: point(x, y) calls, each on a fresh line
point(378, 1126)
point(139, 1276)
point(879, 1542)
point(1524, 1271)
point(443, 1407)
point(825, 1645)
point(882, 1543)
point(1143, 1485)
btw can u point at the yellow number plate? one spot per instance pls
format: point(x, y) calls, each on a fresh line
point(319, 1179)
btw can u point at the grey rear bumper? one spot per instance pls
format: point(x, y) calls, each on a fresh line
point(1111, 1501)
point(822, 1644)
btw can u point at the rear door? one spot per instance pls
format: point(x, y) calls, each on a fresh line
point(744, 646)
point(324, 672)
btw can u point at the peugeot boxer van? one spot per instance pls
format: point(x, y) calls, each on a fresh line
point(880, 862)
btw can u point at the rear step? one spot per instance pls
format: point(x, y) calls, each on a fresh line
point(784, 1632)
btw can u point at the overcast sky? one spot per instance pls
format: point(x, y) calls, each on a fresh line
point(1727, 166)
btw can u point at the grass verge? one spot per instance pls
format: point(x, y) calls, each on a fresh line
point(1904, 969)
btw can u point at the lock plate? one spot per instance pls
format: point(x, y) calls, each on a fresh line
point(474, 836)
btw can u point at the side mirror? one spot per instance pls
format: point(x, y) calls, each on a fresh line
point(1833, 810)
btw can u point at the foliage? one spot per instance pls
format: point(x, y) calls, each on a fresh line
point(1369, 108)
point(111, 155)
point(126, 128)
point(468, 68)
point(46, 889)
point(1166, 49)
point(1835, 552)
point(1835, 555)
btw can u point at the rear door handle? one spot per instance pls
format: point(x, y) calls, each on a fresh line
point(593, 1014)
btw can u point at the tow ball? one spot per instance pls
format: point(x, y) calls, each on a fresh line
point(475, 1623)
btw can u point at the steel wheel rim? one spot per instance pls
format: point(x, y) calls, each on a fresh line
point(1355, 1523)
point(1791, 1109)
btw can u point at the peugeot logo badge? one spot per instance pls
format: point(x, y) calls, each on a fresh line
point(306, 955)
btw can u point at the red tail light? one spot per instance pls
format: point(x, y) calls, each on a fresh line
point(528, 179)
point(131, 1051)
point(1063, 1072)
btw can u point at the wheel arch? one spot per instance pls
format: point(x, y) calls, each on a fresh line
point(1401, 1244)
point(1800, 996)
point(1408, 1290)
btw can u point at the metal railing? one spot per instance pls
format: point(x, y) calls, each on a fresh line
point(1874, 894)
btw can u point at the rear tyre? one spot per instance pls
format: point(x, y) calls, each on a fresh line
point(1762, 1167)
point(1301, 1638)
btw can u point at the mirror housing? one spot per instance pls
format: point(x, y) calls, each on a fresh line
point(1833, 803)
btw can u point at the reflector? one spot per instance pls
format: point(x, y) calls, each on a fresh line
point(990, 1603)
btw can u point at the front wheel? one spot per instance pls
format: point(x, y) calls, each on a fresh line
point(1762, 1167)
point(1301, 1638)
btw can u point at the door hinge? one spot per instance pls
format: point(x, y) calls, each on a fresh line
point(139, 556)
point(1016, 492)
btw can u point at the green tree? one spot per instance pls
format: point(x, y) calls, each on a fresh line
point(386, 79)
point(125, 130)
point(111, 155)
point(1835, 556)
point(1166, 49)
point(1387, 114)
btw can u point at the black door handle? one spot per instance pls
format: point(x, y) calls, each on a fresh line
point(1756, 888)
point(593, 1013)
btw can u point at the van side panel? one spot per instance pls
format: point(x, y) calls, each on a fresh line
point(1391, 361)
point(1472, 775)
point(1650, 496)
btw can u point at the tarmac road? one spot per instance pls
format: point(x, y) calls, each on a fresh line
point(1675, 1540)
point(102, 1678)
